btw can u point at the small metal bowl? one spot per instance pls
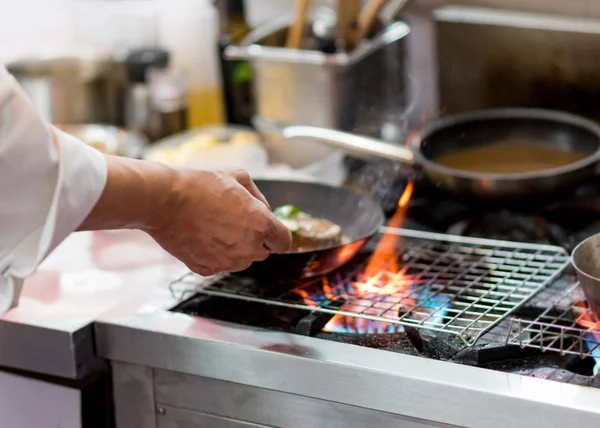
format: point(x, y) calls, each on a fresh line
point(187, 150)
point(108, 139)
point(586, 261)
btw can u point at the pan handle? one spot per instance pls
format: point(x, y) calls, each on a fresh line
point(353, 144)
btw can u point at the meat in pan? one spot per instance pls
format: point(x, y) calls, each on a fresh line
point(309, 233)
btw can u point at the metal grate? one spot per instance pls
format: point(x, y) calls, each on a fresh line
point(565, 326)
point(453, 284)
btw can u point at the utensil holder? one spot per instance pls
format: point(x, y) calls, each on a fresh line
point(360, 91)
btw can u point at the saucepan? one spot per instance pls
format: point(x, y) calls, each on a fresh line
point(359, 217)
point(573, 137)
point(586, 261)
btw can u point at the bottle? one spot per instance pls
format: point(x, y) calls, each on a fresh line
point(236, 75)
point(189, 29)
point(169, 102)
point(138, 62)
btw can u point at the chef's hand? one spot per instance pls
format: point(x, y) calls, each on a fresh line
point(220, 222)
point(213, 221)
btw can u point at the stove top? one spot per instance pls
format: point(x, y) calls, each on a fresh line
point(564, 222)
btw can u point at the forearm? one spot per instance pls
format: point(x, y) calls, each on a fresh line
point(137, 195)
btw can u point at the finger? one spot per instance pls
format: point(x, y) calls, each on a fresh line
point(254, 191)
point(211, 265)
point(242, 265)
point(201, 270)
point(277, 237)
point(262, 253)
point(245, 180)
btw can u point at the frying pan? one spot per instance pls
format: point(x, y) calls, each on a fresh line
point(359, 217)
point(545, 128)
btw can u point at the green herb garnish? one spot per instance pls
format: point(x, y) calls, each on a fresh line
point(291, 225)
point(286, 212)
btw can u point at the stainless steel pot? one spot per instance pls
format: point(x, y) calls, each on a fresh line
point(547, 128)
point(74, 89)
point(586, 260)
point(342, 90)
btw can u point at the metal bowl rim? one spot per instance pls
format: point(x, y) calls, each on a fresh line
point(576, 250)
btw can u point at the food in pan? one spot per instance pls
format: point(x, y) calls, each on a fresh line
point(508, 157)
point(308, 232)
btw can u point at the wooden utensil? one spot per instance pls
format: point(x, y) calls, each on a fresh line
point(296, 31)
point(347, 22)
point(368, 17)
point(392, 10)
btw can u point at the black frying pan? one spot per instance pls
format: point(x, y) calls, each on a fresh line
point(359, 217)
point(545, 128)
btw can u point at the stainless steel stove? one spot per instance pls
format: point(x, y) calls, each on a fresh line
point(422, 328)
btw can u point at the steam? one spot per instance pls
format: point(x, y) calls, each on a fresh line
point(381, 179)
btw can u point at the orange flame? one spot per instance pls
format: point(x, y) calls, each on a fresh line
point(382, 273)
point(384, 257)
point(586, 320)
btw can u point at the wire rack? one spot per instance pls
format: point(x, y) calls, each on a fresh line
point(566, 325)
point(452, 284)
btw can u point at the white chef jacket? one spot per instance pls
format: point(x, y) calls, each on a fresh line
point(49, 183)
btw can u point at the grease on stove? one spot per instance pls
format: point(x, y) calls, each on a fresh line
point(394, 342)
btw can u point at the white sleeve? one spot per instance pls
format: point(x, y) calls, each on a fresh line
point(49, 183)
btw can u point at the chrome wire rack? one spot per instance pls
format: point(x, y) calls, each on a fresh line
point(566, 325)
point(452, 284)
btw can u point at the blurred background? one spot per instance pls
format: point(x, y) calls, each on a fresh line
point(216, 83)
point(172, 80)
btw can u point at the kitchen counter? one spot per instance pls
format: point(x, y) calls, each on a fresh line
point(410, 388)
point(120, 280)
point(51, 331)
point(392, 387)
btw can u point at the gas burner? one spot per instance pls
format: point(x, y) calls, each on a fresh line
point(570, 217)
point(491, 352)
point(349, 330)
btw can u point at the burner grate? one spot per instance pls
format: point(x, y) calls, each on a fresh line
point(452, 284)
point(565, 327)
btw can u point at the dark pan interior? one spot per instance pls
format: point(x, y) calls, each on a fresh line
point(538, 131)
point(357, 215)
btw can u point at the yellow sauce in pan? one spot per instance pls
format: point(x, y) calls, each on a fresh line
point(509, 157)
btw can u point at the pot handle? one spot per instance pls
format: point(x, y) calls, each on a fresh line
point(235, 52)
point(353, 144)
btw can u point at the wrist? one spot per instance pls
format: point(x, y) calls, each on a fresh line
point(161, 186)
point(137, 195)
